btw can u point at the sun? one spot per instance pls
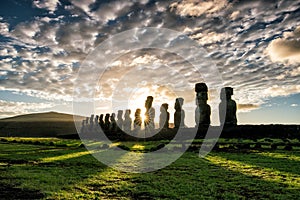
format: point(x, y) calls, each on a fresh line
point(137, 100)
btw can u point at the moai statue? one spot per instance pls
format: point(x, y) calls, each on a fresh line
point(87, 126)
point(113, 123)
point(137, 123)
point(179, 114)
point(120, 120)
point(101, 122)
point(92, 119)
point(91, 122)
point(227, 108)
point(149, 115)
point(164, 116)
point(203, 110)
point(127, 121)
point(96, 121)
point(82, 129)
point(106, 122)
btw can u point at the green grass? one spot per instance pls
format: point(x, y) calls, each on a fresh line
point(70, 172)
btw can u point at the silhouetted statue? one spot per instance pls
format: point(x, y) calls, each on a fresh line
point(113, 123)
point(87, 119)
point(101, 122)
point(82, 130)
point(120, 120)
point(179, 114)
point(96, 119)
point(92, 120)
point(229, 106)
point(127, 121)
point(137, 123)
point(149, 115)
point(164, 116)
point(106, 122)
point(203, 110)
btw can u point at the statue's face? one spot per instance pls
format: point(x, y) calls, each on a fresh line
point(228, 95)
point(148, 104)
point(201, 96)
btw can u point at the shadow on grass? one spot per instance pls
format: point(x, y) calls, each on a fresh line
point(33, 173)
point(268, 159)
point(71, 174)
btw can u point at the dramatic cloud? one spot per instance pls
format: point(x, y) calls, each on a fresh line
point(286, 49)
point(46, 4)
point(246, 107)
point(197, 8)
point(256, 50)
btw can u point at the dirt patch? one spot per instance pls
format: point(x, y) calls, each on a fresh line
point(9, 192)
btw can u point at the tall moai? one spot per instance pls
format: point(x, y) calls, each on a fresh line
point(137, 123)
point(179, 114)
point(149, 115)
point(127, 121)
point(227, 108)
point(164, 116)
point(120, 120)
point(203, 110)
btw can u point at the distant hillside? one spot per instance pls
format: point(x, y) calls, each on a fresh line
point(41, 117)
point(50, 124)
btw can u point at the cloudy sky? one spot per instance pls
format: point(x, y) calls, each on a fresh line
point(253, 45)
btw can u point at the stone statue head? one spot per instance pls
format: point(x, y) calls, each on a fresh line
point(226, 93)
point(201, 87)
point(120, 114)
point(107, 117)
point(164, 107)
point(178, 103)
point(112, 117)
point(137, 111)
point(148, 103)
point(127, 113)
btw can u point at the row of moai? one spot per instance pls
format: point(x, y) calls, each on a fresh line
point(109, 123)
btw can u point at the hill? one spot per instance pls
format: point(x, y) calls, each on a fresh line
point(40, 117)
point(49, 124)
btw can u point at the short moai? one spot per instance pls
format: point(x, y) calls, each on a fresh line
point(92, 120)
point(227, 108)
point(82, 129)
point(164, 116)
point(96, 121)
point(106, 122)
point(120, 120)
point(179, 114)
point(203, 110)
point(113, 123)
point(127, 121)
point(137, 123)
point(101, 122)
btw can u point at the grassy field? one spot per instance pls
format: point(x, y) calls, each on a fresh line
point(48, 168)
